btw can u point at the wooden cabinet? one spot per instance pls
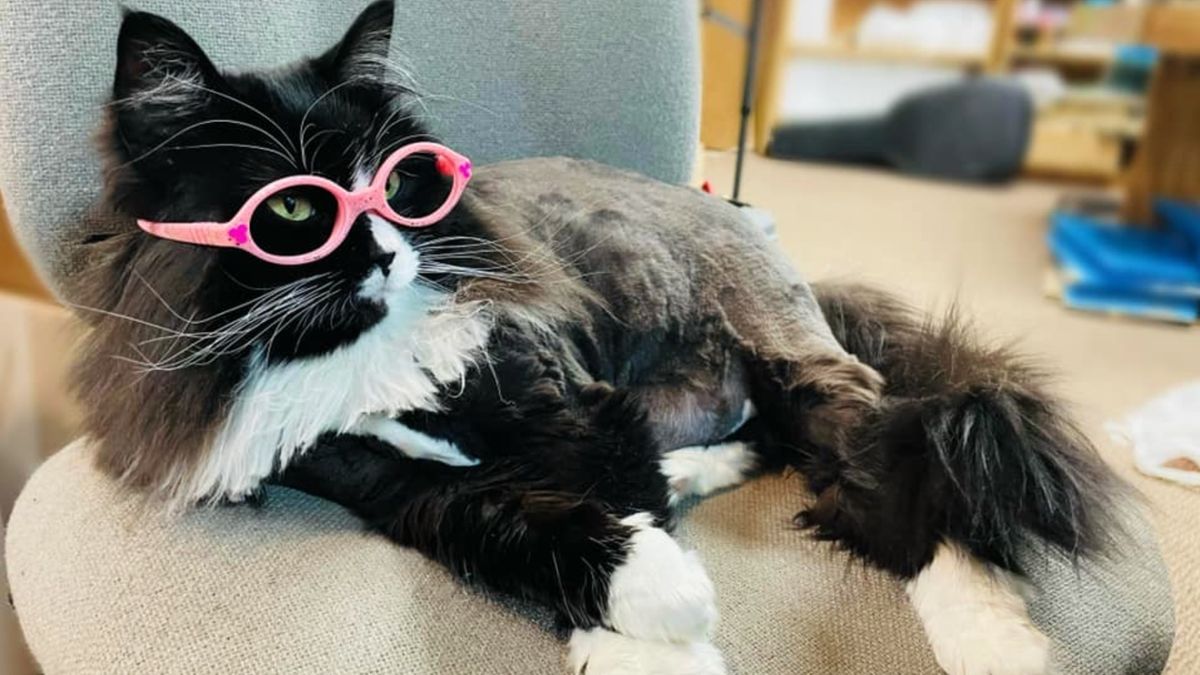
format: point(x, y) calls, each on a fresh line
point(1168, 159)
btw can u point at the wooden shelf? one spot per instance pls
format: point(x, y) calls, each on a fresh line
point(1063, 57)
point(840, 51)
point(1172, 24)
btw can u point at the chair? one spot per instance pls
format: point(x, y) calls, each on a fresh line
point(101, 583)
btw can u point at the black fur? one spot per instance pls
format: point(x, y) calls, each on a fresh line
point(539, 517)
point(966, 446)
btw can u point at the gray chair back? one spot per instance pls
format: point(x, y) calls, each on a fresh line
point(615, 81)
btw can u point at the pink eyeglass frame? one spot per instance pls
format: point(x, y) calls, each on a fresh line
point(235, 233)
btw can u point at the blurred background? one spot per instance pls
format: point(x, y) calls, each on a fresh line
point(1036, 161)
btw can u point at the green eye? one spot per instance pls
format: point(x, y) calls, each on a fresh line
point(291, 207)
point(393, 185)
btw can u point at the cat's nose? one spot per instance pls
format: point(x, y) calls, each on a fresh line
point(383, 260)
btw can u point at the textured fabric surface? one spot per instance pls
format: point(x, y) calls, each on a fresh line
point(104, 585)
point(14, 659)
point(614, 81)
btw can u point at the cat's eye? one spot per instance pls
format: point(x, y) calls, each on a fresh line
point(294, 221)
point(416, 187)
point(393, 185)
point(291, 207)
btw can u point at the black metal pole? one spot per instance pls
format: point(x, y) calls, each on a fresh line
point(756, 10)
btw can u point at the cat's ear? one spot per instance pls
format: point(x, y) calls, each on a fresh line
point(158, 63)
point(363, 51)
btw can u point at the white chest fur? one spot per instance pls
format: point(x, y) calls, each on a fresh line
point(281, 409)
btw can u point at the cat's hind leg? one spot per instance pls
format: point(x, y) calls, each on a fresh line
point(701, 471)
point(964, 462)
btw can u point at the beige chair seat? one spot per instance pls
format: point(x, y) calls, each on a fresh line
point(104, 584)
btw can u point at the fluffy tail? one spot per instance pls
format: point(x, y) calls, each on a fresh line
point(967, 446)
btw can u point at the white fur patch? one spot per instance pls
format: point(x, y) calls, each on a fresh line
point(402, 271)
point(603, 652)
point(412, 443)
point(975, 618)
point(749, 412)
point(397, 365)
point(701, 471)
point(178, 82)
point(660, 592)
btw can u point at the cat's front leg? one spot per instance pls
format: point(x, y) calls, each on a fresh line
point(640, 604)
point(410, 442)
point(659, 591)
point(660, 613)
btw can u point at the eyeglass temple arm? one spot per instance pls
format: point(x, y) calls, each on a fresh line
point(205, 234)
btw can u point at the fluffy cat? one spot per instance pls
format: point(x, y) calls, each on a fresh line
point(575, 362)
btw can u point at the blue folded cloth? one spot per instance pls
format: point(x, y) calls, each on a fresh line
point(1183, 218)
point(1125, 270)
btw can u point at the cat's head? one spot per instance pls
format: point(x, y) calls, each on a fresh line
point(175, 324)
point(187, 143)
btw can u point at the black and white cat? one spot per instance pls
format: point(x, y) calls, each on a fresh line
point(576, 347)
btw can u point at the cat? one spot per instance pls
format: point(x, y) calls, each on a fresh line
point(524, 389)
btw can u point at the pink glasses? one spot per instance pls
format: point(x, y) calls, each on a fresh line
point(300, 219)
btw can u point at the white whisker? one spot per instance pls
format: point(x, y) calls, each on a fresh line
point(308, 111)
point(238, 101)
point(243, 146)
point(191, 127)
point(269, 314)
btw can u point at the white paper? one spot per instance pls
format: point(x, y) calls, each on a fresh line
point(1165, 429)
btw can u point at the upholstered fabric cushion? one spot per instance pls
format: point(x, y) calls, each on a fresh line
point(614, 81)
point(104, 584)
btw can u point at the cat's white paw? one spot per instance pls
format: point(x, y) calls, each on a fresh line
point(701, 471)
point(660, 592)
point(994, 645)
point(975, 618)
point(602, 652)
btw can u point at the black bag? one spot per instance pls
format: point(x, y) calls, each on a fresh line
point(976, 130)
